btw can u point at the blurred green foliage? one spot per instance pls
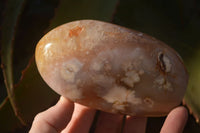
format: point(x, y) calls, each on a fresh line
point(23, 23)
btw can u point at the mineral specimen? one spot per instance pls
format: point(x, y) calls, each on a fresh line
point(112, 68)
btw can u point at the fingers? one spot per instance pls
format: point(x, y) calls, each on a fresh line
point(175, 121)
point(135, 124)
point(81, 121)
point(109, 123)
point(63, 116)
point(54, 119)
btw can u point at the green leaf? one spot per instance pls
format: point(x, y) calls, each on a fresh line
point(32, 94)
point(192, 97)
point(8, 121)
point(70, 10)
point(12, 13)
point(163, 20)
point(34, 21)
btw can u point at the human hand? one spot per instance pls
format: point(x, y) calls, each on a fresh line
point(67, 117)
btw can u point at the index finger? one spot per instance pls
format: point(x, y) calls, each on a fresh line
point(54, 119)
point(175, 121)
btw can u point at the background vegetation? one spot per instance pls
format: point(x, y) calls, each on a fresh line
point(23, 22)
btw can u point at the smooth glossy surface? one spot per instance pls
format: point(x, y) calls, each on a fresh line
point(112, 68)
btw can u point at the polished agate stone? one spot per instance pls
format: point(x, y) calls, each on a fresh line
point(112, 68)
